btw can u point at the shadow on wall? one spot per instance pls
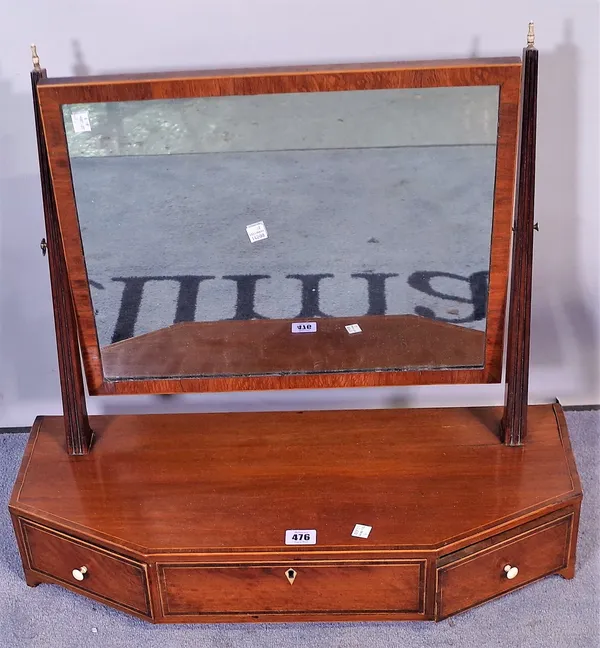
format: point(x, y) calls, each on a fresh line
point(80, 67)
point(28, 369)
point(29, 366)
point(566, 284)
point(563, 319)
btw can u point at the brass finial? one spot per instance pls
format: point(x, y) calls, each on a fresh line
point(35, 59)
point(530, 35)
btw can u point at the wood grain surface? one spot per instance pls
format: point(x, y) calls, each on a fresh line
point(113, 578)
point(206, 483)
point(514, 421)
point(268, 346)
point(481, 575)
point(187, 514)
point(364, 586)
point(502, 72)
point(77, 428)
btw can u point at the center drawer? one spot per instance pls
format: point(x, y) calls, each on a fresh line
point(253, 588)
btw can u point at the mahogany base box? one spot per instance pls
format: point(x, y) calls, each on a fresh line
point(183, 518)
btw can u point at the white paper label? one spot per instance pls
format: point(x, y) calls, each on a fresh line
point(304, 327)
point(81, 121)
point(301, 537)
point(353, 328)
point(256, 232)
point(361, 531)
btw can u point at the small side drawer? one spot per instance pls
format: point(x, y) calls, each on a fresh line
point(481, 574)
point(267, 588)
point(108, 576)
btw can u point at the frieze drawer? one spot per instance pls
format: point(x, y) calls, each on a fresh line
point(260, 588)
point(489, 570)
point(82, 566)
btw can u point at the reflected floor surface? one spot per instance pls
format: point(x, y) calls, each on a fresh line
point(402, 230)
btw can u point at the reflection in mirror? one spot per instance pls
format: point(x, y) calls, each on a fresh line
point(211, 226)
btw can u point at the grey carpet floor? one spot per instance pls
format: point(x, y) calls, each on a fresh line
point(551, 613)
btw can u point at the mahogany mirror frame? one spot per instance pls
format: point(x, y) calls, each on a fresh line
point(505, 73)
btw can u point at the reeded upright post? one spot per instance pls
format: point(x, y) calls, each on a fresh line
point(77, 428)
point(514, 420)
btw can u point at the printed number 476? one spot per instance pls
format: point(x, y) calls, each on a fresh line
point(301, 536)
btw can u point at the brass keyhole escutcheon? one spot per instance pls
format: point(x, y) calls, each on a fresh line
point(290, 574)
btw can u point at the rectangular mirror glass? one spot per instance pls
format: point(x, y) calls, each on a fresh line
point(243, 235)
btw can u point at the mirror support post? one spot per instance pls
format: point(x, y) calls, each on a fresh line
point(514, 419)
point(77, 429)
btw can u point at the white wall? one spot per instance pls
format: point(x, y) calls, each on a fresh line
point(116, 36)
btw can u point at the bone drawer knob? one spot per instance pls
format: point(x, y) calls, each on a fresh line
point(79, 574)
point(511, 572)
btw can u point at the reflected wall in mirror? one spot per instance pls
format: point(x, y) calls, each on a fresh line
point(376, 209)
